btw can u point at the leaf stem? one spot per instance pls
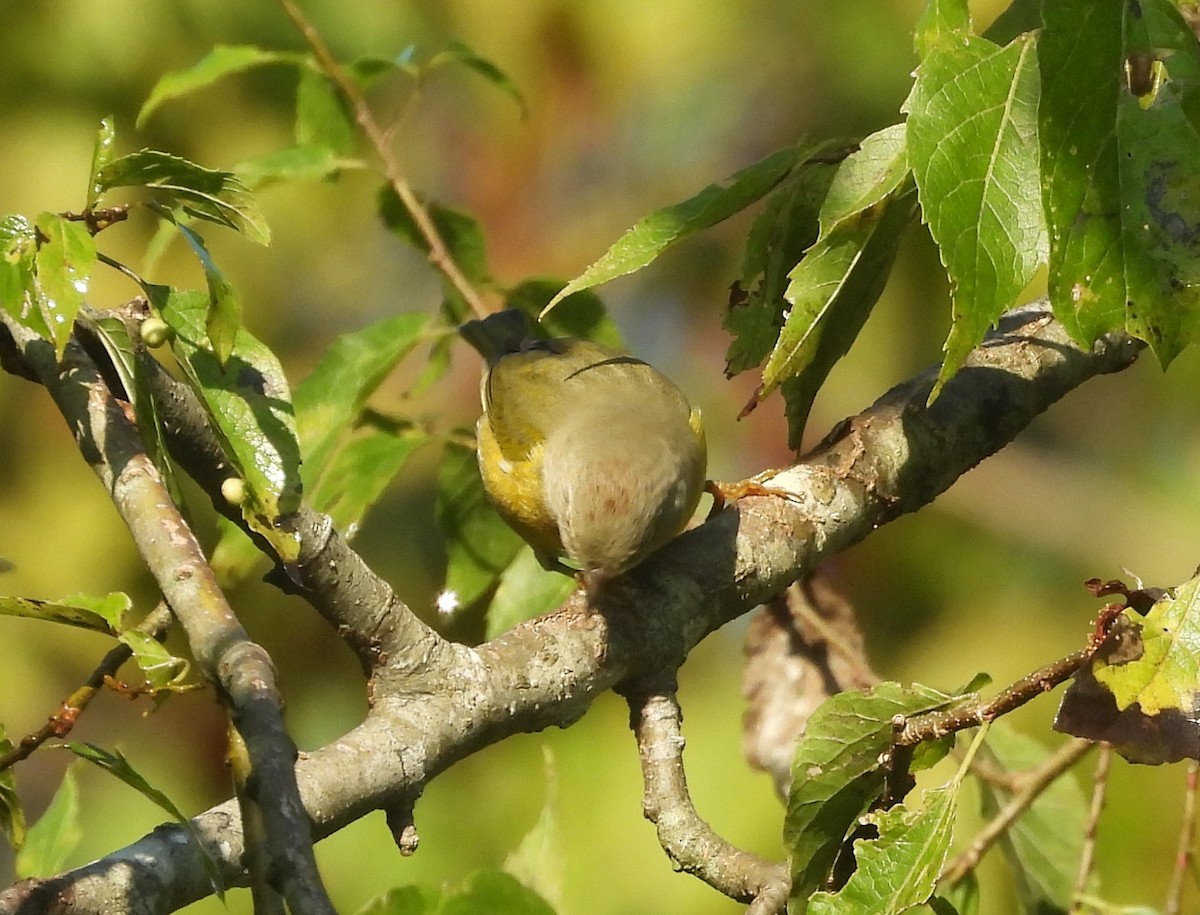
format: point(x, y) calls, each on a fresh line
point(439, 255)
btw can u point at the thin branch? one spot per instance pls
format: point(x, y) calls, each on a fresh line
point(1187, 837)
point(439, 254)
point(1032, 786)
point(687, 839)
point(932, 725)
point(1091, 829)
point(59, 724)
point(109, 440)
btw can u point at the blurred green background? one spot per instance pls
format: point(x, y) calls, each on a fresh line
point(633, 104)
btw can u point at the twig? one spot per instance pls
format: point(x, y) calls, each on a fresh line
point(60, 723)
point(1187, 836)
point(1032, 785)
point(439, 255)
point(933, 725)
point(689, 841)
point(1099, 790)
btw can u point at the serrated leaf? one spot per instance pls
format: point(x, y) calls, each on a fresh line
point(248, 401)
point(526, 590)
point(458, 53)
point(221, 61)
point(837, 773)
point(940, 20)
point(223, 318)
point(832, 292)
point(18, 247)
point(653, 234)
point(102, 154)
point(459, 231)
point(580, 315)
point(900, 868)
point(294, 163)
point(117, 765)
point(54, 836)
point(99, 614)
point(204, 193)
point(1120, 174)
point(778, 238)
point(1045, 843)
point(479, 545)
point(972, 141)
point(64, 262)
point(12, 814)
point(322, 116)
point(361, 470)
point(330, 400)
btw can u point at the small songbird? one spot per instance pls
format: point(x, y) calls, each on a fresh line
point(587, 453)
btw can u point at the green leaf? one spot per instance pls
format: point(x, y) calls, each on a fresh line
point(322, 117)
point(54, 836)
point(459, 232)
point(1165, 676)
point(162, 670)
point(294, 163)
point(832, 292)
point(580, 315)
point(837, 774)
point(653, 234)
point(248, 401)
point(330, 400)
point(479, 545)
point(868, 177)
point(526, 590)
point(12, 815)
point(1120, 175)
point(223, 319)
point(117, 765)
point(1019, 17)
point(64, 264)
point(900, 868)
point(361, 470)
point(787, 226)
point(18, 248)
point(940, 21)
point(972, 141)
point(102, 154)
point(99, 614)
point(1044, 845)
point(458, 53)
point(204, 193)
point(221, 61)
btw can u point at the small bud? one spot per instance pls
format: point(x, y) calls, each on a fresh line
point(155, 332)
point(234, 490)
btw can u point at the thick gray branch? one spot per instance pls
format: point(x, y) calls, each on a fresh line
point(891, 459)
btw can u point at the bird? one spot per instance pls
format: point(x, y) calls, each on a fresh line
point(590, 454)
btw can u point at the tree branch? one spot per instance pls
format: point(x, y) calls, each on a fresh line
point(687, 839)
point(108, 438)
point(893, 458)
